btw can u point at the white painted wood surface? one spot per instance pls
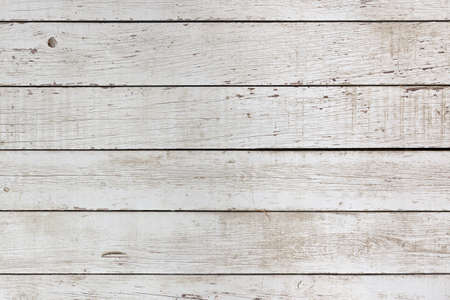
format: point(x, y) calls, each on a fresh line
point(224, 10)
point(224, 53)
point(228, 117)
point(377, 237)
point(82, 287)
point(231, 180)
point(218, 242)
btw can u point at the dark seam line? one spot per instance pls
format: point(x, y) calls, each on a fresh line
point(225, 274)
point(442, 149)
point(261, 211)
point(223, 21)
point(223, 86)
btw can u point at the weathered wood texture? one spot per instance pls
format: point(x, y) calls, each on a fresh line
point(225, 287)
point(224, 53)
point(229, 117)
point(224, 10)
point(216, 180)
point(204, 242)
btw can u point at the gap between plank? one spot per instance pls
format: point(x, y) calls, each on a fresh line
point(225, 274)
point(224, 86)
point(260, 211)
point(443, 149)
point(223, 21)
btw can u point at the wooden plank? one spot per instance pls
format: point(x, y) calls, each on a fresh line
point(225, 118)
point(225, 287)
point(224, 53)
point(217, 180)
point(148, 10)
point(218, 242)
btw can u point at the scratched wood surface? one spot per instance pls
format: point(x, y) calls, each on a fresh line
point(84, 287)
point(225, 180)
point(229, 85)
point(224, 53)
point(227, 117)
point(164, 10)
point(224, 242)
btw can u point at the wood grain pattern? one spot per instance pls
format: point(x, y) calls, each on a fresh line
point(209, 225)
point(230, 180)
point(214, 242)
point(84, 287)
point(229, 117)
point(224, 53)
point(224, 10)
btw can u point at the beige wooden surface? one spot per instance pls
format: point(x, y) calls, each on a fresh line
point(317, 287)
point(164, 10)
point(224, 242)
point(224, 53)
point(225, 117)
point(225, 180)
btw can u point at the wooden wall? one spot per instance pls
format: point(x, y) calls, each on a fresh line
point(206, 149)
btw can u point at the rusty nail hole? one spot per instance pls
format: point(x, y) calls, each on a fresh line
point(52, 42)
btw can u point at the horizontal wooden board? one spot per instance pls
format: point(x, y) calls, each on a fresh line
point(228, 117)
point(224, 53)
point(224, 242)
point(151, 10)
point(217, 180)
point(225, 287)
